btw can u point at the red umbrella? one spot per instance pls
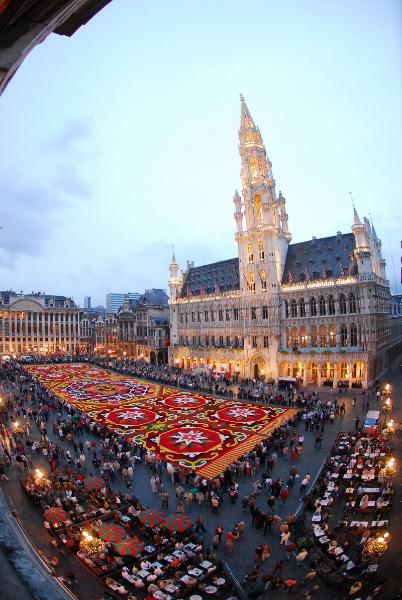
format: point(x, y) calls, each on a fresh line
point(94, 483)
point(110, 532)
point(56, 515)
point(177, 522)
point(130, 547)
point(152, 517)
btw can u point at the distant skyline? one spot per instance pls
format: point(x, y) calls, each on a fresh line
point(120, 142)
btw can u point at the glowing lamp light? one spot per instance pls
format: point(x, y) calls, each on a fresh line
point(38, 474)
point(375, 547)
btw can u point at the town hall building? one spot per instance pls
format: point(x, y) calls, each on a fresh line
point(316, 311)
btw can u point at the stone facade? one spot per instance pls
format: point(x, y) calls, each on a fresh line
point(143, 327)
point(316, 311)
point(38, 324)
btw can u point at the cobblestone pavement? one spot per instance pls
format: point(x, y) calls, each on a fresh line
point(242, 559)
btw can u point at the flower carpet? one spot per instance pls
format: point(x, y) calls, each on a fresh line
point(189, 429)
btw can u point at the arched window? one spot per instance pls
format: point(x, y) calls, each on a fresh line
point(286, 309)
point(250, 254)
point(248, 136)
point(342, 304)
point(261, 166)
point(313, 307)
point(253, 167)
point(263, 278)
point(288, 338)
point(352, 303)
point(314, 337)
point(323, 309)
point(332, 336)
point(255, 136)
point(295, 338)
point(331, 305)
point(251, 280)
point(303, 337)
point(344, 370)
point(353, 335)
point(323, 336)
point(302, 307)
point(344, 336)
point(261, 253)
point(258, 208)
point(293, 308)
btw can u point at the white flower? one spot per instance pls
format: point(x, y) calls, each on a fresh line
point(189, 437)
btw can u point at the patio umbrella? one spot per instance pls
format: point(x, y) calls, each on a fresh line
point(110, 532)
point(94, 483)
point(56, 515)
point(130, 547)
point(177, 522)
point(152, 517)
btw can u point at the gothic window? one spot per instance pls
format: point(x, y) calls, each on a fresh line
point(286, 309)
point(331, 305)
point(332, 336)
point(295, 338)
point(206, 316)
point(254, 341)
point(220, 314)
point(323, 336)
point(288, 338)
point(261, 166)
point(261, 253)
point(253, 167)
point(258, 208)
point(266, 341)
point(251, 280)
point(353, 335)
point(250, 255)
point(265, 312)
point(344, 336)
point(303, 337)
point(313, 307)
point(323, 310)
point(342, 304)
point(314, 337)
point(293, 308)
point(248, 136)
point(352, 303)
point(302, 307)
point(253, 312)
point(255, 136)
point(227, 313)
point(263, 278)
point(236, 313)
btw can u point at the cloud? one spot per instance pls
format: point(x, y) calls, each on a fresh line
point(72, 134)
point(25, 214)
point(66, 179)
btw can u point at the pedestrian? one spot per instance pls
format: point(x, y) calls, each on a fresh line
point(229, 543)
point(278, 568)
point(357, 421)
point(199, 524)
point(285, 538)
point(354, 401)
point(165, 500)
point(301, 556)
point(266, 552)
point(284, 495)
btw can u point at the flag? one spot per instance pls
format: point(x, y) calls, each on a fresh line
point(217, 288)
point(189, 293)
point(177, 294)
point(324, 274)
point(306, 275)
point(202, 291)
point(341, 269)
point(290, 277)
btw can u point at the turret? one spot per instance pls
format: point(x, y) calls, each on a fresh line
point(174, 281)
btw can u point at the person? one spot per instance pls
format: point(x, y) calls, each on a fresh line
point(165, 499)
point(283, 495)
point(355, 589)
point(285, 537)
point(300, 557)
point(357, 421)
point(278, 567)
point(199, 524)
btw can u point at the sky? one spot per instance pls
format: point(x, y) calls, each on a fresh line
point(120, 142)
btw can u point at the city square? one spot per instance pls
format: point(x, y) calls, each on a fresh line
point(229, 426)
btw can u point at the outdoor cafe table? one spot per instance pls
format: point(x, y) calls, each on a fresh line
point(316, 518)
point(370, 491)
point(379, 525)
point(350, 490)
point(324, 540)
point(358, 525)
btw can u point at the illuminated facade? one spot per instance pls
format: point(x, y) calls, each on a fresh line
point(38, 324)
point(317, 311)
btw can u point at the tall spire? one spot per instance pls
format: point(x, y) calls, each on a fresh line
point(356, 218)
point(248, 133)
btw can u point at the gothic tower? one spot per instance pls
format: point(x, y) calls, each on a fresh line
point(262, 245)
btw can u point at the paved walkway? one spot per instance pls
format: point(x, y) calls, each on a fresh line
point(242, 559)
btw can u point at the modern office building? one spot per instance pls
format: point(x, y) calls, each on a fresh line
point(115, 300)
point(87, 302)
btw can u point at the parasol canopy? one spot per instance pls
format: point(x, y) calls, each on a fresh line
point(94, 483)
point(130, 547)
point(110, 532)
point(152, 517)
point(177, 523)
point(56, 515)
